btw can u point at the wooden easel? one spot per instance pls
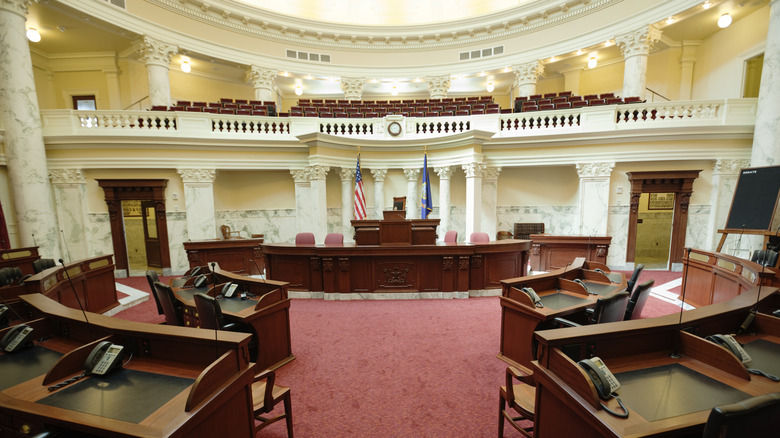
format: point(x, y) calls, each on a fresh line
point(725, 232)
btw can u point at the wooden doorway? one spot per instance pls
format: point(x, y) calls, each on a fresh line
point(152, 194)
point(680, 184)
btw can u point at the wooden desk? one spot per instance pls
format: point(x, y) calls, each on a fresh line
point(561, 296)
point(566, 399)
point(713, 277)
point(21, 258)
point(211, 395)
point(267, 313)
point(549, 251)
point(397, 231)
point(240, 256)
point(349, 268)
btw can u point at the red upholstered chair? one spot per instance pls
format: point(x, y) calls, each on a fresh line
point(546, 107)
point(564, 94)
point(596, 102)
point(304, 239)
point(260, 112)
point(614, 101)
point(226, 100)
point(550, 95)
point(462, 113)
point(607, 95)
point(243, 112)
point(563, 105)
point(530, 108)
point(227, 111)
point(211, 109)
point(535, 97)
point(451, 236)
point(579, 103)
point(334, 238)
point(590, 97)
point(633, 99)
point(183, 103)
point(477, 111)
point(479, 238)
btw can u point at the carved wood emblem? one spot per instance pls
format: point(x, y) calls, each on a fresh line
point(396, 275)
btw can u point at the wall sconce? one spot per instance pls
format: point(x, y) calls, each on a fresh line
point(298, 90)
point(724, 21)
point(185, 66)
point(490, 87)
point(33, 35)
point(592, 62)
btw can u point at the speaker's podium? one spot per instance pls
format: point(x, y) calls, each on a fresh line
point(395, 230)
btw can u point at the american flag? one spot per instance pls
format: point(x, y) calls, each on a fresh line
point(360, 197)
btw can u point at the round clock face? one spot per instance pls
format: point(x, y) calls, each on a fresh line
point(394, 128)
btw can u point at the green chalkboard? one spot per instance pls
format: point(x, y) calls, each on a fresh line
point(755, 199)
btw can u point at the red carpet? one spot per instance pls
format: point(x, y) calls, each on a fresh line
point(407, 368)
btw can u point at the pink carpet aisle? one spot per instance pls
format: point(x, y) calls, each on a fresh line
point(405, 368)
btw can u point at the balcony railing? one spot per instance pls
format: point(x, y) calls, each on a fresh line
point(728, 112)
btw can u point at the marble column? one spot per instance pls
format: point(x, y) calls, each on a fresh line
point(263, 81)
point(766, 135)
point(526, 76)
point(304, 215)
point(594, 197)
point(199, 203)
point(114, 90)
point(379, 192)
point(319, 201)
point(353, 88)
point(635, 47)
point(157, 57)
point(490, 200)
point(571, 81)
point(445, 176)
point(474, 172)
point(70, 195)
point(725, 174)
point(412, 193)
point(687, 61)
point(347, 201)
point(438, 86)
point(25, 153)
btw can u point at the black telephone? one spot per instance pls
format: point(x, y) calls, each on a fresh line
point(732, 345)
point(533, 296)
point(582, 283)
point(601, 271)
point(605, 382)
point(193, 272)
point(16, 338)
point(229, 289)
point(200, 281)
point(3, 318)
point(103, 358)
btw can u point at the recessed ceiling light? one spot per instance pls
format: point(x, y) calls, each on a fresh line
point(724, 21)
point(669, 20)
point(185, 66)
point(706, 5)
point(33, 35)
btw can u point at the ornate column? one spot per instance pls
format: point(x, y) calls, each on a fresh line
point(263, 80)
point(490, 200)
point(687, 61)
point(766, 136)
point(725, 174)
point(412, 193)
point(594, 197)
point(347, 201)
point(157, 57)
point(445, 175)
point(635, 47)
point(379, 191)
point(353, 87)
point(303, 214)
point(319, 201)
point(438, 86)
point(70, 194)
point(199, 202)
point(526, 76)
point(474, 172)
point(24, 149)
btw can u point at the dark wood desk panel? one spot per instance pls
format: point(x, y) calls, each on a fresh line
point(550, 251)
point(234, 255)
point(712, 277)
point(349, 268)
point(21, 258)
point(395, 232)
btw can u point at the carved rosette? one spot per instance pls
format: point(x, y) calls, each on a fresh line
point(315, 264)
point(591, 170)
point(729, 167)
point(476, 262)
point(159, 208)
point(685, 200)
point(527, 73)
point(353, 87)
point(396, 275)
point(192, 256)
point(463, 263)
point(67, 176)
point(438, 86)
point(259, 77)
point(447, 264)
point(343, 264)
point(444, 172)
point(638, 42)
point(257, 253)
point(113, 209)
point(153, 52)
point(635, 202)
point(536, 249)
point(601, 251)
point(197, 176)
point(379, 174)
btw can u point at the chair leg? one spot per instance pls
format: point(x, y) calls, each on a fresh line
point(501, 406)
point(288, 413)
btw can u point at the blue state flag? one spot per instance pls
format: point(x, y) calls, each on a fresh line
point(426, 203)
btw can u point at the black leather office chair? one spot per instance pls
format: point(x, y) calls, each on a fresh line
point(152, 277)
point(638, 299)
point(43, 264)
point(210, 313)
point(608, 309)
point(765, 257)
point(171, 307)
point(753, 417)
point(634, 278)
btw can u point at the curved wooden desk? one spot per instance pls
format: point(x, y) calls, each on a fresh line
point(349, 268)
point(266, 311)
point(240, 256)
point(713, 277)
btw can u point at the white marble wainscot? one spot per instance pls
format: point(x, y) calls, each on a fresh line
point(335, 224)
point(617, 228)
point(199, 198)
point(177, 235)
point(697, 232)
point(458, 222)
point(70, 197)
point(98, 235)
point(276, 226)
point(557, 219)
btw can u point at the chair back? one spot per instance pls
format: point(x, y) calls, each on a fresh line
point(753, 417)
point(634, 277)
point(638, 299)
point(611, 308)
point(152, 277)
point(43, 264)
point(765, 257)
point(334, 238)
point(451, 236)
point(304, 239)
point(479, 238)
point(503, 235)
point(170, 306)
point(209, 312)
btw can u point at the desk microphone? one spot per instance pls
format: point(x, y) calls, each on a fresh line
point(33, 236)
point(676, 354)
point(73, 288)
point(213, 273)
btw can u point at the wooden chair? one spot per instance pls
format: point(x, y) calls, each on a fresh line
point(753, 417)
point(638, 299)
point(520, 398)
point(266, 395)
point(504, 235)
point(172, 311)
point(227, 234)
point(152, 277)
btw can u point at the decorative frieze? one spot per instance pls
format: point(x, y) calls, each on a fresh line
point(729, 166)
point(602, 169)
point(67, 176)
point(197, 175)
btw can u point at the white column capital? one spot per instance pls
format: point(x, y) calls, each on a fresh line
point(474, 170)
point(591, 170)
point(154, 52)
point(317, 172)
point(725, 166)
point(438, 86)
point(528, 73)
point(347, 174)
point(352, 87)
point(189, 176)
point(412, 174)
point(444, 172)
point(16, 6)
point(638, 42)
point(379, 174)
point(67, 176)
point(300, 175)
point(491, 173)
point(261, 77)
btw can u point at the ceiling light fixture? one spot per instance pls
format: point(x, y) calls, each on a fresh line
point(185, 66)
point(669, 20)
point(394, 90)
point(490, 87)
point(706, 5)
point(724, 21)
point(592, 62)
point(33, 35)
point(298, 90)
